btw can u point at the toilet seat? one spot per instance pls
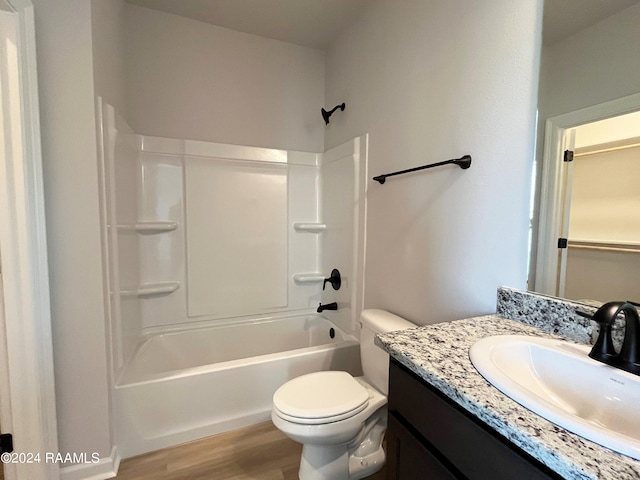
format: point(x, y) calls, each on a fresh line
point(321, 397)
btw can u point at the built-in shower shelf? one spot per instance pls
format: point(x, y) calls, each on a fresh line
point(149, 227)
point(308, 277)
point(151, 289)
point(309, 227)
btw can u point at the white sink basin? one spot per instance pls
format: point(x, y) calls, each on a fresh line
point(558, 381)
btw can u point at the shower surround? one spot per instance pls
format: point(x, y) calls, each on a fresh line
point(215, 247)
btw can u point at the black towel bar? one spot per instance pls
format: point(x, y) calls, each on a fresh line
point(463, 162)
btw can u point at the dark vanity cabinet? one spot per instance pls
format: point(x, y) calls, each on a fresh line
point(429, 437)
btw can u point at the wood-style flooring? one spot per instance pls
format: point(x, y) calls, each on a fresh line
point(259, 452)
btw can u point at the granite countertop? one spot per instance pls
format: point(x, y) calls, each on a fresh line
point(440, 355)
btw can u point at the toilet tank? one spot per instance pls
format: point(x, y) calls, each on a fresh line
point(375, 361)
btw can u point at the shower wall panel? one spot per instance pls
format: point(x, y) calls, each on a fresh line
point(201, 233)
point(120, 178)
point(162, 253)
point(234, 251)
point(342, 193)
point(304, 246)
point(236, 218)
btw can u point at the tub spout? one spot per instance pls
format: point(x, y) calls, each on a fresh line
point(327, 306)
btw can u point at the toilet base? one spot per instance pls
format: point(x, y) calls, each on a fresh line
point(321, 462)
point(358, 459)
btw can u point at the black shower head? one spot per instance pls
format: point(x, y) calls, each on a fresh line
point(326, 115)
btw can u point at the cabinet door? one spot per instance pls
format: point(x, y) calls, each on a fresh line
point(408, 458)
point(460, 441)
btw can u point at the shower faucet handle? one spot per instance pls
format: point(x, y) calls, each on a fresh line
point(334, 279)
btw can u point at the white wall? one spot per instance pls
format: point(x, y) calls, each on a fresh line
point(188, 79)
point(65, 75)
point(108, 36)
point(431, 81)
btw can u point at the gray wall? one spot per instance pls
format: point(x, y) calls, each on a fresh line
point(431, 81)
point(596, 65)
point(67, 116)
point(189, 79)
point(428, 80)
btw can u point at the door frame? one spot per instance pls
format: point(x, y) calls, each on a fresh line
point(553, 180)
point(27, 409)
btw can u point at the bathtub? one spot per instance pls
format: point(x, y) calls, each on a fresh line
point(184, 385)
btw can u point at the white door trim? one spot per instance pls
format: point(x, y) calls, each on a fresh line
point(27, 355)
point(551, 195)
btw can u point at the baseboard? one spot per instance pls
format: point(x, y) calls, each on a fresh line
point(105, 468)
point(134, 445)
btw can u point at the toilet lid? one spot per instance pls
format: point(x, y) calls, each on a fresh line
point(321, 396)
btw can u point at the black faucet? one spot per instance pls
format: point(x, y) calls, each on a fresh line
point(628, 358)
point(328, 306)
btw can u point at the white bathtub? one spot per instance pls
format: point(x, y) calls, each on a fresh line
point(185, 385)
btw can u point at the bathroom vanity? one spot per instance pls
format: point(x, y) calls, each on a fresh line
point(446, 421)
point(429, 436)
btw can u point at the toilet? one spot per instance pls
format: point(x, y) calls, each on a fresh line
point(340, 419)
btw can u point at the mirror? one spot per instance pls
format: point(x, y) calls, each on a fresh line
point(587, 73)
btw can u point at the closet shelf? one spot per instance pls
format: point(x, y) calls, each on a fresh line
point(308, 277)
point(149, 227)
point(151, 289)
point(312, 227)
point(605, 246)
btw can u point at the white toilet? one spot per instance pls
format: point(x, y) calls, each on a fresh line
point(339, 419)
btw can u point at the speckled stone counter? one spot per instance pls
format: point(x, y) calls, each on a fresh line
point(439, 354)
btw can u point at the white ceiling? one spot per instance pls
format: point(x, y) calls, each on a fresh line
point(315, 23)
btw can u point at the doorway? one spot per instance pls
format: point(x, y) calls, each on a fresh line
point(27, 395)
point(603, 248)
point(587, 202)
